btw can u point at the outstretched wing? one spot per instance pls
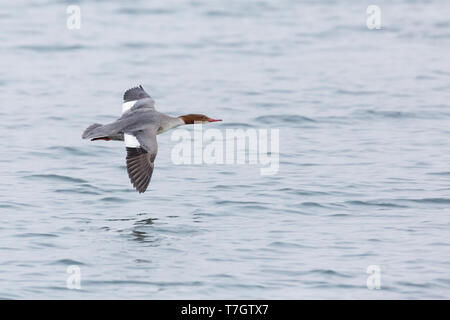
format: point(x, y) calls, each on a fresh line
point(134, 94)
point(137, 98)
point(140, 160)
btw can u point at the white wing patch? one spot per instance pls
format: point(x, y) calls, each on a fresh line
point(127, 105)
point(130, 140)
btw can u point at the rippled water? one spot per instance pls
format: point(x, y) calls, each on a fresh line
point(364, 150)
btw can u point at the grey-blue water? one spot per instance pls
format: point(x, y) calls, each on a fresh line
point(364, 175)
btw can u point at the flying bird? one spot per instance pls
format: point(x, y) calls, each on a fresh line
point(138, 126)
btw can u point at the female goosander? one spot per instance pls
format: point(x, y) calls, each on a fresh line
point(138, 127)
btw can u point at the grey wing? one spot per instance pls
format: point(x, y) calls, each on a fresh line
point(134, 94)
point(141, 161)
point(138, 98)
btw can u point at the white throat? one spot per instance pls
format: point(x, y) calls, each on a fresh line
point(170, 124)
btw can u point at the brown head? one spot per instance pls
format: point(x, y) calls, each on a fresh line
point(192, 118)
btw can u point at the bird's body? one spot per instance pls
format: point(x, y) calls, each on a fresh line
point(138, 127)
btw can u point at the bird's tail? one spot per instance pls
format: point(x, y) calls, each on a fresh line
point(98, 131)
point(90, 131)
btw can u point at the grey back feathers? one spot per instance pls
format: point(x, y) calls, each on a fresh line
point(146, 103)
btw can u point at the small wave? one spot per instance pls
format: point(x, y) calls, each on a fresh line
point(415, 284)
point(114, 199)
point(144, 45)
point(385, 114)
point(425, 77)
point(302, 192)
point(51, 48)
point(255, 207)
point(280, 119)
point(375, 203)
point(282, 244)
point(443, 173)
point(312, 204)
point(13, 204)
point(36, 235)
point(357, 92)
point(239, 125)
point(337, 215)
point(431, 200)
point(440, 36)
point(442, 24)
point(66, 262)
point(329, 272)
point(56, 178)
point(55, 118)
point(225, 202)
point(70, 150)
point(222, 13)
point(251, 93)
point(77, 191)
point(143, 11)
point(222, 187)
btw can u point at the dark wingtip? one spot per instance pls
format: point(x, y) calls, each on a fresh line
point(139, 169)
point(135, 93)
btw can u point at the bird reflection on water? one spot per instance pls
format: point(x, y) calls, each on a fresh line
point(142, 231)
